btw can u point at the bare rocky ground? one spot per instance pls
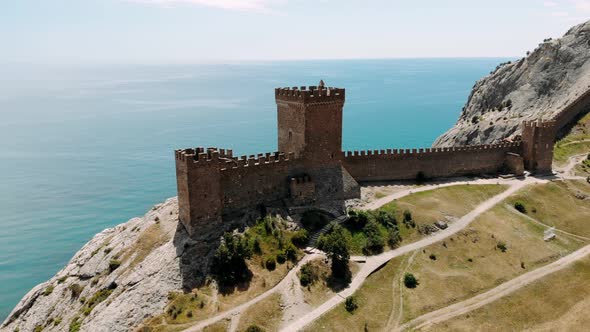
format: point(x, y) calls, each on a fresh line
point(534, 87)
point(148, 250)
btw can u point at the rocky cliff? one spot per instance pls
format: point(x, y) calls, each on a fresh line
point(535, 87)
point(123, 275)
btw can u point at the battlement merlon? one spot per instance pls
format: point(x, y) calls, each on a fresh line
point(539, 124)
point(310, 95)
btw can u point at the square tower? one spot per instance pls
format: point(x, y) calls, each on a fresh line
point(310, 122)
point(538, 139)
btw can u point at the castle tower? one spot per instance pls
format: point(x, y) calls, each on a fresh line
point(310, 121)
point(199, 189)
point(538, 139)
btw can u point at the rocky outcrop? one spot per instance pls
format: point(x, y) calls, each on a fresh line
point(535, 87)
point(117, 280)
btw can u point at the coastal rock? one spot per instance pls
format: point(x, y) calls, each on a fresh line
point(136, 264)
point(535, 87)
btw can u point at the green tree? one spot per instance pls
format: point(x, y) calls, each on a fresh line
point(519, 206)
point(385, 218)
point(375, 241)
point(337, 248)
point(393, 237)
point(410, 280)
point(229, 262)
point(358, 219)
point(350, 304)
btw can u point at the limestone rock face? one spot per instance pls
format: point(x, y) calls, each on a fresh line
point(535, 87)
point(156, 256)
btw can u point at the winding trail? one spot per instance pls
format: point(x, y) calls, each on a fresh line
point(494, 294)
point(373, 263)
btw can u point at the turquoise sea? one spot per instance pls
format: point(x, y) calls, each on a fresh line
point(85, 148)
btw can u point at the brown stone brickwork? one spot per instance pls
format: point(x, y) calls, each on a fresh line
point(310, 167)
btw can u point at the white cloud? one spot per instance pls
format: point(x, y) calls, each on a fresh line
point(559, 14)
point(240, 5)
point(549, 3)
point(582, 5)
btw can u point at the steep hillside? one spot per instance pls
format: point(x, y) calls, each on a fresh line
point(535, 87)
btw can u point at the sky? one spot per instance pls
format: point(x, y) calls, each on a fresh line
point(193, 31)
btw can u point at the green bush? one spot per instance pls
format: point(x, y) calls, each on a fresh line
point(407, 215)
point(350, 304)
point(254, 328)
point(358, 219)
point(385, 218)
point(308, 275)
point(48, 290)
point(375, 241)
point(291, 252)
point(75, 325)
point(502, 246)
point(38, 328)
point(393, 238)
point(300, 238)
point(229, 262)
point(61, 280)
point(270, 264)
point(281, 258)
point(410, 280)
point(519, 206)
point(76, 290)
point(113, 265)
point(335, 244)
point(256, 246)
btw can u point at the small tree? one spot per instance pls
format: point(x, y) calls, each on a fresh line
point(308, 274)
point(519, 206)
point(270, 263)
point(300, 238)
point(385, 218)
point(407, 215)
point(350, 304)
point(502, 246)
point(229, 262)
point(358, 219)
point(393, 238)
point(336, 247)
point(375, 241)
point(410, 280)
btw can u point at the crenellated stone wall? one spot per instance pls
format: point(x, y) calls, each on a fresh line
point(310, 167)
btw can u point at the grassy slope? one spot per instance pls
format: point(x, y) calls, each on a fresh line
point(266, 314)
point(558, 302)
point(572, 143)
point(452, 277)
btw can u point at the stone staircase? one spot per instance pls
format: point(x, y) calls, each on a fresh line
point(314, 238)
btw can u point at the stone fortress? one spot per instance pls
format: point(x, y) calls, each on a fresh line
point(310, 168)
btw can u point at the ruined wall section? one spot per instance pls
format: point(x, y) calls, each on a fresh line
point(405, 164)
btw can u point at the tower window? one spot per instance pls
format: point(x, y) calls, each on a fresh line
point(290, 135)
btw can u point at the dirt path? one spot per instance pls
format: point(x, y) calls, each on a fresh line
point(239, 309)
point(293, 301)
point(374, 262)
point(394, 321)
point(495, 293)
point(576, 142)
point(569, 169)
point(526, 216)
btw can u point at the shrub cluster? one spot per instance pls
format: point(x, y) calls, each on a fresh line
point(350, 304)
point(410, 280)
point(229, 261)
point(519, 206)
point(308, 274)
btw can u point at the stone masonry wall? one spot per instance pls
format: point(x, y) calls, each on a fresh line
point(382, 165)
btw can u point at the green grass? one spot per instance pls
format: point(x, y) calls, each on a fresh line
point(557, 302)
point(570, 145)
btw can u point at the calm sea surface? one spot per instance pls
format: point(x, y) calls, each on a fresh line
point(87, 148)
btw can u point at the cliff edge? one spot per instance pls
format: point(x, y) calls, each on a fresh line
point(118, 279)
point(535, 87)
